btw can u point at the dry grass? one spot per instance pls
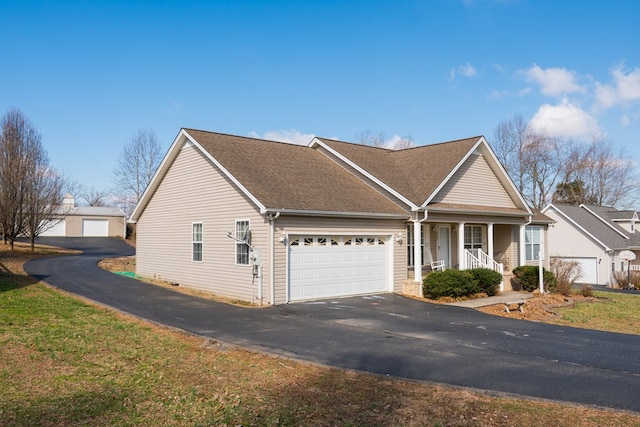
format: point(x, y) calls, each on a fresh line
point(540, 308)
point(64, 362)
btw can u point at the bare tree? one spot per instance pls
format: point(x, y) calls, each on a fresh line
point(510, 139)
point(94, 197)
point(72, 186)
point(43, 189)
point(541, 166)
point(549, 169)
point(597, 173)
point(29, 189)
point(379, 139)
point(136, 166)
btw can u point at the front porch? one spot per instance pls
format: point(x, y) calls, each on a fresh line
point(463, 245)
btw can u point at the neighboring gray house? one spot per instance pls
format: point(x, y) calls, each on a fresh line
point(270, 223)
point(86, 221)
point(594, 236)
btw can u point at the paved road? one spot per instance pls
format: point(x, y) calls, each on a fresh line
point(384, 334)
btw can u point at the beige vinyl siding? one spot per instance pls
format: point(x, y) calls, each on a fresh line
point(116, 227)
point(503, 246)
point(317, 226)
point(194, 190)
point(475, 183)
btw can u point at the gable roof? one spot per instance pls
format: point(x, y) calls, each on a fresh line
point(416, 174)
point(597, 222)
point(89, 211)
point(281, 177)
point(289, 178)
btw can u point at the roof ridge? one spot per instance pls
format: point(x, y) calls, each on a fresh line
point(252, 138)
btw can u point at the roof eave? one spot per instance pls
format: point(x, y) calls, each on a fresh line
point(304, 212)
point(479, 212)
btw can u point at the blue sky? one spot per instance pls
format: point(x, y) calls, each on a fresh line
point(90, 74)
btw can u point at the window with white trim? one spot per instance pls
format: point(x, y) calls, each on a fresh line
point(473, 236)
point(196, 241)
point(242, 242)
point(532, 241)
point(411, 244)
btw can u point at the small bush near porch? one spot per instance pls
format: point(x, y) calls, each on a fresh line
point(461, 283)
point(527, 278)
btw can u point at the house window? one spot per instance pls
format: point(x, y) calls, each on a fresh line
point(473, 237)
point(411, 245)
point(242, 243)
point(196, 241)
point(532, 242)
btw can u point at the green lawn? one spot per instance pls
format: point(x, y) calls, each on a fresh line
point(65, 362)
point(615, 312)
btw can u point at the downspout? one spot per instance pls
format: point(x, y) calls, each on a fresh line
point(272, 276)
point(521, 246)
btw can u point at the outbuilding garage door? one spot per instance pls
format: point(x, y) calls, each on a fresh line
point(332, 266)
point(95, 227)
point(589, 268)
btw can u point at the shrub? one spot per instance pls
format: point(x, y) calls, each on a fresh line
point(449, 283)
point(626, 279)
point(526, 278)
point(488, 280)
point(586, 291)
point(567, 273)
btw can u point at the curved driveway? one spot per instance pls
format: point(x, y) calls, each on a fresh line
point(384, 334)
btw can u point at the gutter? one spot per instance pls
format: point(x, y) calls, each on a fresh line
point(300, 212)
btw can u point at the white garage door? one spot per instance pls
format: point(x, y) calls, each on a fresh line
point(589, 268)
point(322, 267)
point(95, 227)
point(57, 227)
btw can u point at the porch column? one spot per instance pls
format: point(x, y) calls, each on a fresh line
point(490, 240)
point(462, 260)
point(417, 252)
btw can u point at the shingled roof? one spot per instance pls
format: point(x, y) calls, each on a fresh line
point(292, 177)
point(596, 221)
point(414, 172)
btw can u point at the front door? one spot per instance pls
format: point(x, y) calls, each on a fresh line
point(444, 245)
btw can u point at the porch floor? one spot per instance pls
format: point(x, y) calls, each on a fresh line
point(507, 296)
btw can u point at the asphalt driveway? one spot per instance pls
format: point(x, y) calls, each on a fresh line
point(384, 334)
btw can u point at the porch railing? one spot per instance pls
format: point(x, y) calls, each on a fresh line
point(476, 258)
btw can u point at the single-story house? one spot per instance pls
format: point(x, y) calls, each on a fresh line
point(271, 223)
point(86, 221)
point(594, 236)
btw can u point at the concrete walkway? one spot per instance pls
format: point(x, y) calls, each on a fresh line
point(509, 296)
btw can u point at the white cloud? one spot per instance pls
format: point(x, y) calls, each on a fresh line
point(624, 89)
point(554, 81)
point(465, 70)
point(291, 136)
point(565, 120)
point(628, 84)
